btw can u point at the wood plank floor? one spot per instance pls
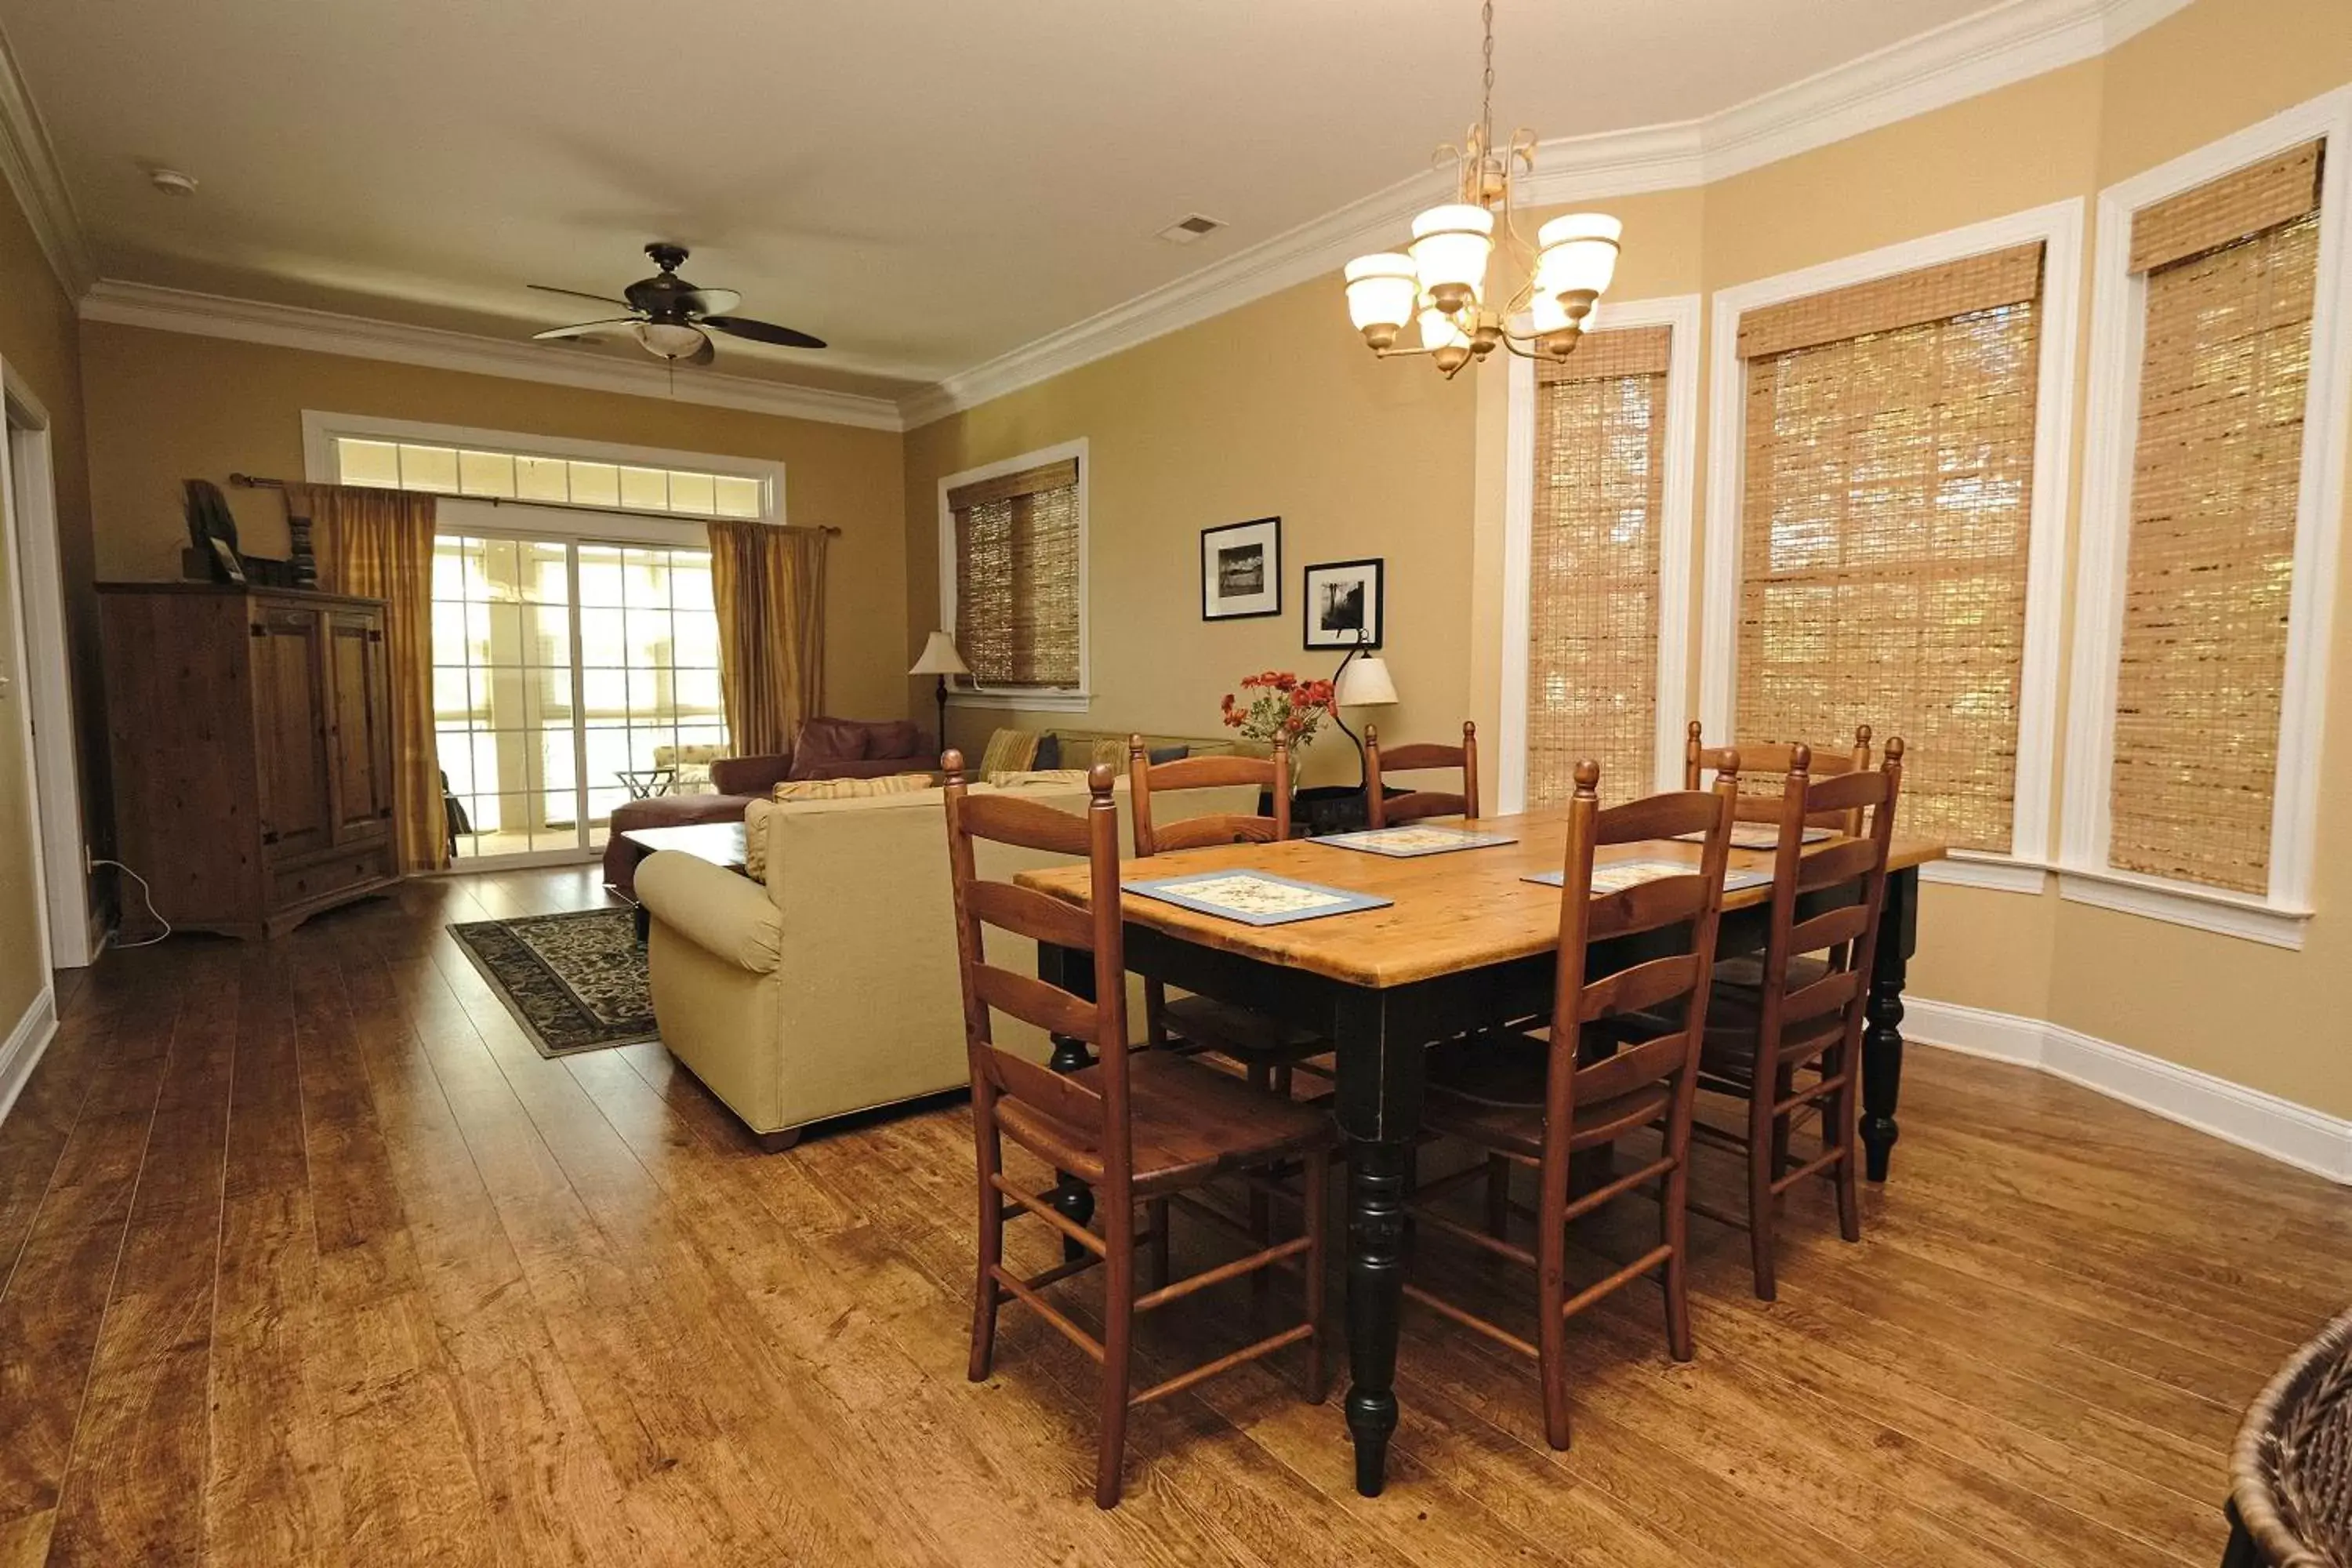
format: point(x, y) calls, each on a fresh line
point(306, 1257)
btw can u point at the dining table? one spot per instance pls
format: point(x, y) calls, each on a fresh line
point(1465, 942)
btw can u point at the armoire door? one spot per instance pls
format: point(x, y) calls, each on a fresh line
point(359, 726)
point(289, 731)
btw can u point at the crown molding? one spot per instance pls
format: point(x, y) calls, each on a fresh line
point(1962, 60)
point(325, 331)
point(29, 163)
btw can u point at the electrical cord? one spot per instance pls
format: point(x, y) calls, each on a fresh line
point(148, 894)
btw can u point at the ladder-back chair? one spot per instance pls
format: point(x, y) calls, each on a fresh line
point(1411, 807)
point(1763, 759)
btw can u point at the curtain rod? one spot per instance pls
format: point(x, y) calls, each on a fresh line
point(263, 482)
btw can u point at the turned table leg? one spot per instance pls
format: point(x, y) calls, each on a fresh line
point(1882, 1038)
point(1379, 1246)
point(1072, 1199)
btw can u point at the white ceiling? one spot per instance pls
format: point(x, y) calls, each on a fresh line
point(926, 183)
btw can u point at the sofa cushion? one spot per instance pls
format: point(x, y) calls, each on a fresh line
point(1048, 755)
point(1009, 752)
point(827, 741)
point(851, 789)
point(750, 775)
point(1040, 778)
point(1159, 755)
point(896, 738)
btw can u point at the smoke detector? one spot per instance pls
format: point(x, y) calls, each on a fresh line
point(171, 182)
point(1190, 227)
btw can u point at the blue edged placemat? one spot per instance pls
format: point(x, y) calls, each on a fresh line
point(1255, 897)
point(1761, 835)
point(1414, 839)
point(1618, 875)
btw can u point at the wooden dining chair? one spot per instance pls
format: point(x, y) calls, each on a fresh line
point(1268, 1048)
point(1417, 803)
point(1804, 1015)
point(1763, 759)
point(1545, 1103)
point(1141, 1127)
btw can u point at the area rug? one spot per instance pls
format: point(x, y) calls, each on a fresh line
point(575, 982)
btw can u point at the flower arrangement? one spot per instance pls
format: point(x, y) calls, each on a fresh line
point(1275, 703)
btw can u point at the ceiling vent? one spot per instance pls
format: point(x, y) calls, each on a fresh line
point(1187, 229)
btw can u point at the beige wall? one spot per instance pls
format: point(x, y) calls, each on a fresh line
point(1276, 407)
point(166, 407)
point(37, 339)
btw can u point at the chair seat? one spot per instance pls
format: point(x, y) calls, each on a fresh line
point(1489, 1088)
point(1220, 1027)
point(1733, 1015)
point(1190, 1123)
point(1747, 972)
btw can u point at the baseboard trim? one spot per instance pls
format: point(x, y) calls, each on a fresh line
point(21, 1052)
point(2294, 1134)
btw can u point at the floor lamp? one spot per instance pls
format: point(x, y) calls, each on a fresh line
point(939, 658)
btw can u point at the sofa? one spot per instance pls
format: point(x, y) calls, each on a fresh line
point(830, 987)
point(825, 749)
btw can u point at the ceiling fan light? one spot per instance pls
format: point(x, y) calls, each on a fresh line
point(1381, 289)
point(1577, 254)
point(669, 339)
point(1450, 248)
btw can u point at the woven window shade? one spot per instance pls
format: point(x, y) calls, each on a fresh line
point(1883, 534)
point(2238, 205)
point(1592, 578)
point(1914, 299)
point(1017, 576)
point(2209, 565)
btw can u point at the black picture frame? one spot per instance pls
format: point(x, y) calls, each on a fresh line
point(1366, 628)
point(1241, 570)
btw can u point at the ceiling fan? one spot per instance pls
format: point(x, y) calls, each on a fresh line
point(672, 319)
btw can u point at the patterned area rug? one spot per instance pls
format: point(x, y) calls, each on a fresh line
point(575, 982)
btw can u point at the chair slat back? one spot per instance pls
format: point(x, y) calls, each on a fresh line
point(1761, 759)
point(1847, 874)
point(1676, 983)
point(1099, 1021)
point(1414, 758)
point(1147, 778)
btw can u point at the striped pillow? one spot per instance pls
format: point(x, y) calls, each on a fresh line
point(852, 789)
point(1009, 752)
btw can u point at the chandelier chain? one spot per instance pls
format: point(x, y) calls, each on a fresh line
point(1486, 97)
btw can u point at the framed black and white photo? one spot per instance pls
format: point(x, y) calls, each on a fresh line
point(1241, 570)
point(1344, 605)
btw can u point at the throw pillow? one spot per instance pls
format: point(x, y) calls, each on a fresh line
point(1110, 752)
point(1159, 754)
point(1049, 752)
point(1009, 752)
point(1040, 778)
point(852, 789)
point(826, 740)
point(898, 738)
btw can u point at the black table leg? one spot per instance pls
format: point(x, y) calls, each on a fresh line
point(643, 918)
point(1379, 1059)
point(1072, 1199)
point(1881, 1039)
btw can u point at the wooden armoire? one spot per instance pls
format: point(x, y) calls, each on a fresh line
point(251, 732)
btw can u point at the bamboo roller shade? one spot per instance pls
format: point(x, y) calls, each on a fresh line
point(1883, 529)
point(2221, 212)
point(2200, 677)
point(1592, 579)
point(1017, 576)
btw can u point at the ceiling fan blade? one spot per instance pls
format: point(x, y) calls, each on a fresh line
point(582, 329)
point(761, 332)
point(710, 301)
point(599, 299)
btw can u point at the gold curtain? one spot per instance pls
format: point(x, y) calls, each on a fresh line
point(378, 544)
point(769, 583)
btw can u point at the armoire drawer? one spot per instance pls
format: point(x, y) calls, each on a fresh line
point(329, 874)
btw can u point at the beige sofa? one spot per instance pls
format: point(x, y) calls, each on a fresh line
point(833, 987)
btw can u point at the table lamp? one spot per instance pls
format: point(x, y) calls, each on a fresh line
point(939, 658)
point(1361, 681)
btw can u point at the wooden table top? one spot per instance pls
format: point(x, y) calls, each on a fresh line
point(720, 843)
point(1463, 909)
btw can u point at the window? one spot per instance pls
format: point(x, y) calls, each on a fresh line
point(2208, 547)
point(1013, 573)
point(545, 480)
point(1885, 521)
point(1597, 515)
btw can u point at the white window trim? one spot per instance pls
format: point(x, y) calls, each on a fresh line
point(1679, 313)
point(967, 693)
point(2118, 318)
point(320, 465)
point(2059, 228)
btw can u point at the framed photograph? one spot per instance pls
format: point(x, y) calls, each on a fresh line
point(1241, 570)
point(225, 560)
point(1344, 605)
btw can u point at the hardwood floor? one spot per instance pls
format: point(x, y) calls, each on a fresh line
point(309, 1258)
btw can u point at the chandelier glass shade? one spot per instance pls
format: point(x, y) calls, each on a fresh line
point(1441, 283)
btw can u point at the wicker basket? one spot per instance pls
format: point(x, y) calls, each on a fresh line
point(2290, 1471)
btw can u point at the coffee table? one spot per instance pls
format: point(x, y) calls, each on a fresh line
point(720, 843)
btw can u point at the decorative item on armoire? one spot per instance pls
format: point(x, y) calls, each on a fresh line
point(212, 534)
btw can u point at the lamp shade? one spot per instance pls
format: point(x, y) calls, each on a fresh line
point(1450, 246)
point(1365, 683)
point(669, 339)
point(1577, 254)
point(939, 658)
point(1380, 290)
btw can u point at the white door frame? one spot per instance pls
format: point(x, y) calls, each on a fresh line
point(53, 775)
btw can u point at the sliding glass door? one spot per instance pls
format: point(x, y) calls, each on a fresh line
point(570, 674)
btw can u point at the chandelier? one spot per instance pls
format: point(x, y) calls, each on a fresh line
point(1440, 281)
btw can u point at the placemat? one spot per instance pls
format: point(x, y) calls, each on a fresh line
point(1416, 839)
point(1759, 835)
point(1255, 897)
point(1620, 875)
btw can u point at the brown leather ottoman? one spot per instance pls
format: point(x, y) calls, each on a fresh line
point(621, 857)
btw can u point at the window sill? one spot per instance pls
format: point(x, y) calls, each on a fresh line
point(1996, 873)
point(2203, 909)
point(1031, 701)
